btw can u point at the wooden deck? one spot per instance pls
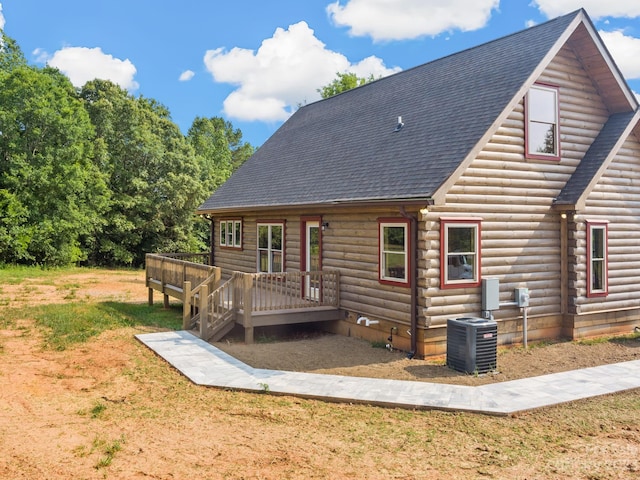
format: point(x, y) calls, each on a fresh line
point(214, 306)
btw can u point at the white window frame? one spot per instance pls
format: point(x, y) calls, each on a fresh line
point(231, 233)
point(532, 119)
point(447, 224)
point(393, 223)
point(269, 249)
point(602, 259)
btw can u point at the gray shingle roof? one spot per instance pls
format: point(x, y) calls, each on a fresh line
point(594, 158)
point(345, 149)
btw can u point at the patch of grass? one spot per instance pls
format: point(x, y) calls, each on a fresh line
point(97, 410)
point(6, 321)
point(108, 449)
point(613, 339)
point(69, 324)
point(263, 338)
point(16, 274)
point(70, 288)
point(378, 344)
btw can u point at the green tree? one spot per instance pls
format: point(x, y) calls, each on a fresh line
point(342, 83)
point(11, 55)
point(51, 193)
point(153, 175)
point(219, 149)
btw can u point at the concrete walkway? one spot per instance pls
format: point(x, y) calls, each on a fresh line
point(207, 365)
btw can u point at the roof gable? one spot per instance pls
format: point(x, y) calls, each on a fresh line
point(595, 161)
point(346, 149)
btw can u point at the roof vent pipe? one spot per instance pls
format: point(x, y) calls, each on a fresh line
point(399, 125)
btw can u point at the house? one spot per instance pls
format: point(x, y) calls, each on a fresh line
point(516, 160)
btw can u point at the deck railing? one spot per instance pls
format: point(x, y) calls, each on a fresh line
point(289, 290)
point(202, 258)
point(213, 303)
point(173, 271)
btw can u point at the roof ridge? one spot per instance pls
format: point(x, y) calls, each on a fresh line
point(456, 53)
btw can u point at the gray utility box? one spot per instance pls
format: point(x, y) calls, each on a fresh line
point(472, 344)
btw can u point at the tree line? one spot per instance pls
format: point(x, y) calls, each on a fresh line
point(96, 176)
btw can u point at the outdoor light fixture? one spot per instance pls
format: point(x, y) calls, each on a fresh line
point(325, 225)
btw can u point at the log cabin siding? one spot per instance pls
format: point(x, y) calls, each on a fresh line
point(349, 245)
point(520, 238)
point(614, 199)
point(233, 259)
point(245, 259)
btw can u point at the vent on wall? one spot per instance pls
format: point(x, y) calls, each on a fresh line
point(472, 344)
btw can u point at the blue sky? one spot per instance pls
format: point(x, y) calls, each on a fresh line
point(253, 61)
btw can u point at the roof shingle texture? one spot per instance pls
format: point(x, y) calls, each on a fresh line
point(345, 149)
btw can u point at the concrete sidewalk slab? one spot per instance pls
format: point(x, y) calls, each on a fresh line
point(207, 365)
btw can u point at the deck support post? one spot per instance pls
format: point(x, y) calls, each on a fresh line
point(247, 295)
point(217, 277)
point(186, 305)
point(204, 314)
point(150, 297)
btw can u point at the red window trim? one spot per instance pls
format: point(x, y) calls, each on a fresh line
point(231, 219)
point(385, 281)
point(444, 221)
point(605, 291)
point(535, 156)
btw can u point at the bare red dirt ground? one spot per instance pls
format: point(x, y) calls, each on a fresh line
point(109, 408)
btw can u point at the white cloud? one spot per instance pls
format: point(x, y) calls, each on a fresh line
point(384, 20)
point(595, 8)
point(625, 51)
point(285, 71)
point(186, 75)
point(1, 18)
point(82, 64)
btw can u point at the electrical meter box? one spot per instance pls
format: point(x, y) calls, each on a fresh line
point(490, 294)
point(522, 297)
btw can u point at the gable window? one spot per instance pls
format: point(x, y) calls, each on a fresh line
point(393, 238)
point(231, 233)
point(459, 252)
point(271, 247)
point(597, 267)
point(541, 128)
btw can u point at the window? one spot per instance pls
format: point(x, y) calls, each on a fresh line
point(231, 233)
point(541, 132)
point(459, 253)
point(597, 268)
point(394, 251)
point(270, 247)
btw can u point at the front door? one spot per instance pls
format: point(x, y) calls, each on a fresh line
point(313, 263)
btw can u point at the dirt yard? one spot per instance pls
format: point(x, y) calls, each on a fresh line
point(109, 408)
point(321, 353)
